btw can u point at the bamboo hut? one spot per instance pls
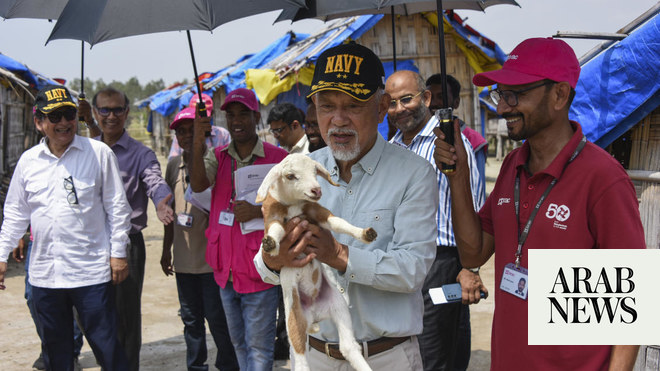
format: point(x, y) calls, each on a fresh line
point(17, 130)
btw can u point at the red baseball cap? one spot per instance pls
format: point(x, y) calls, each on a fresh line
point(187, 113)
point(208, 102)
point(243, 96)
point(535, 60)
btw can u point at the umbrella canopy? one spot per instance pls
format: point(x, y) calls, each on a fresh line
point(325, 10)
point(39, 9)
point(103, 20)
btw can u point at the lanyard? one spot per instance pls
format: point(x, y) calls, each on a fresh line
point(233, 187)
point(185, 181)
point(522, 236)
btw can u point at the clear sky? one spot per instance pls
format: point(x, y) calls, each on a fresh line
point(166, 55)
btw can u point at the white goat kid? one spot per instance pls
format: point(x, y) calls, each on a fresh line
point(290, 189)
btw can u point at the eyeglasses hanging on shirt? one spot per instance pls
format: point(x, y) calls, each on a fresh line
point(71, 196)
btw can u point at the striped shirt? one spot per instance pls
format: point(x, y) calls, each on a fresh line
point(422, 144)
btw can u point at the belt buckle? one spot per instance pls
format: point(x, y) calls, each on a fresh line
point(327, 349)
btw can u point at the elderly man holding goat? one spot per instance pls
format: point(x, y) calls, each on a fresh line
point(381, 186)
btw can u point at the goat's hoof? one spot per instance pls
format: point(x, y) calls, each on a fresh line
point(369, 234)
point(268, 244)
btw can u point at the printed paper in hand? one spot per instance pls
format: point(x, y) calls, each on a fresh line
point(248, 179)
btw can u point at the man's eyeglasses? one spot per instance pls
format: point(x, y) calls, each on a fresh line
point(68, 114)
point(311, 126)
point(278, 131)
point(511, 96)
point(405, 100)
point(71, 195)
point(105, 111)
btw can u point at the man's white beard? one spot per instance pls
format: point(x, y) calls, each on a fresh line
point(344, 154)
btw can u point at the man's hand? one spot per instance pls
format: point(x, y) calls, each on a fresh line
point(85, 111)
point(19, 252)
point(3, 269)
point(119, 267)
point(201, 126)
point(166, 262)
point(450, 155)
point(245, 211)
point(164, 211)
point(291, 247)
point(321, 243)
point(471, 285)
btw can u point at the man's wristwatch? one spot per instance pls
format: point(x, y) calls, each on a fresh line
point(474, 270)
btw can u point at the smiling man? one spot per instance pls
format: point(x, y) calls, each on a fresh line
point(142, 178)
point(555, 168)
point(69, 190)
point(444, 344)
point(249, 303)
point(312, 128)
point(381, 186)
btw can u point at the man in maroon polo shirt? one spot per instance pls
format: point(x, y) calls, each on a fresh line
point(591, 205)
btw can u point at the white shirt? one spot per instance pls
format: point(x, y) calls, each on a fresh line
point(302, 146)
point(72, 243)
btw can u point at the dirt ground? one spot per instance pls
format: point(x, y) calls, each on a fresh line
point(163, 347)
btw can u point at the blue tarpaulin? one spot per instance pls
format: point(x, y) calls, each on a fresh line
point(619, 86)
point(236, 79)
point(36, 81)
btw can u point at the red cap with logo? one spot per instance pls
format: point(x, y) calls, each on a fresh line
point(535, 60)
point(208, 102)
point(243, 96)
point(187, 113)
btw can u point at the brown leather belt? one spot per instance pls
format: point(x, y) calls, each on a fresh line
point(373, 347)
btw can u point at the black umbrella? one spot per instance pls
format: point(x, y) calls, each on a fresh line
point(43, 9)
point(39, 9)
point(328, 9)
point(101, 20)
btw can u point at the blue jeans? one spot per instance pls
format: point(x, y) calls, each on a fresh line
point(251, 320)
point(77, 334)
point(199, 297)
point(96, 308)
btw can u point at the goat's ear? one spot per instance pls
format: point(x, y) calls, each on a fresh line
point(270, 178)
point(320, 170)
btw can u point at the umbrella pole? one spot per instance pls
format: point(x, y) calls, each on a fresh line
point(82, 69)
point(201, 107)
point(393, 40)
point(441, 46)
point(81, 96)
point(445, 115)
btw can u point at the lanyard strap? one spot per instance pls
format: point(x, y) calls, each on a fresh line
point(233, 187)
point(522, 236)
point(185, 180)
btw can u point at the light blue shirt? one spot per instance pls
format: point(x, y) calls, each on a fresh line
point(423, 145)
point(393, 191)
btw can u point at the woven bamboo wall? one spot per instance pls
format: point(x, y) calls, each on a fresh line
point(417, 39)
point(645, 155)
point(17, 133)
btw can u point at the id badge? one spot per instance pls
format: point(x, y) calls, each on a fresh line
point(515, 281)
point(184, 220)
point(226, 218)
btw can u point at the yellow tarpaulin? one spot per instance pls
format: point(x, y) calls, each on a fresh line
point(268, 85)
point(479, 61)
